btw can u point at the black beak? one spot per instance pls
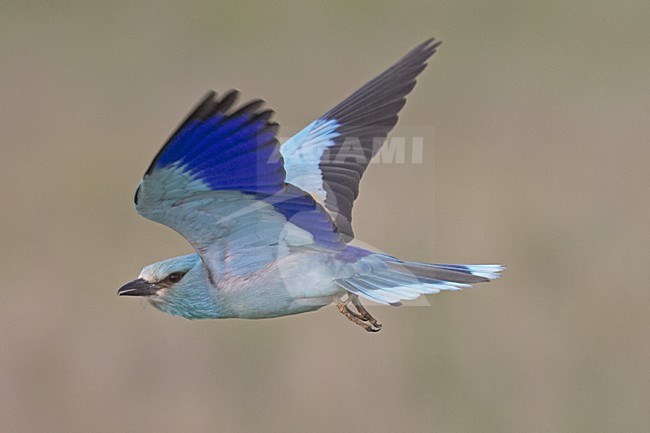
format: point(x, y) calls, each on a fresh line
point(138, 287)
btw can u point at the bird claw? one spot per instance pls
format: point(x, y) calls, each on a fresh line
point(363, 318)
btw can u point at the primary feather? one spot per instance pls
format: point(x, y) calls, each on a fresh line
point(329, 156)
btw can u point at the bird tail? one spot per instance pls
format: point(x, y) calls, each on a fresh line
point(387, 280)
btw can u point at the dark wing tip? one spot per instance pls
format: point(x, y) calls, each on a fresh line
point(209, 105)
point(430, 44)
point(392, 84)
point(367, 116)
point(212, 104)
point(426, 48)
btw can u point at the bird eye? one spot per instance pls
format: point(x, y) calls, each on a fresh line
point(175, 277)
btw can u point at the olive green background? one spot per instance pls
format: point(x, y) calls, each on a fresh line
point(534, 116)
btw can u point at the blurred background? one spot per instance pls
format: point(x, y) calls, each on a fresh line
point(534, 116)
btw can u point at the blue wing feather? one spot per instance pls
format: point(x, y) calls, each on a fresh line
point(237, 151)
point(301, 210)
point(216, 150)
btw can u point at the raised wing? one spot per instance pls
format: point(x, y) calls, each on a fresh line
point(329, 156)
point(219, 182)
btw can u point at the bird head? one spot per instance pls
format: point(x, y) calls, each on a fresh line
point(177, 286)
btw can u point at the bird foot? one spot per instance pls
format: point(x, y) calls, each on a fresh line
point(363, 318)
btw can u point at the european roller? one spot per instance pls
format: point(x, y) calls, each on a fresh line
point(271, 223)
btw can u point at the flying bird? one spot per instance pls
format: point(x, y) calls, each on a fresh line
point(271, 224)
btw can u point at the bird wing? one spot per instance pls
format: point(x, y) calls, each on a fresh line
point(219, 181)
point(328, 157)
